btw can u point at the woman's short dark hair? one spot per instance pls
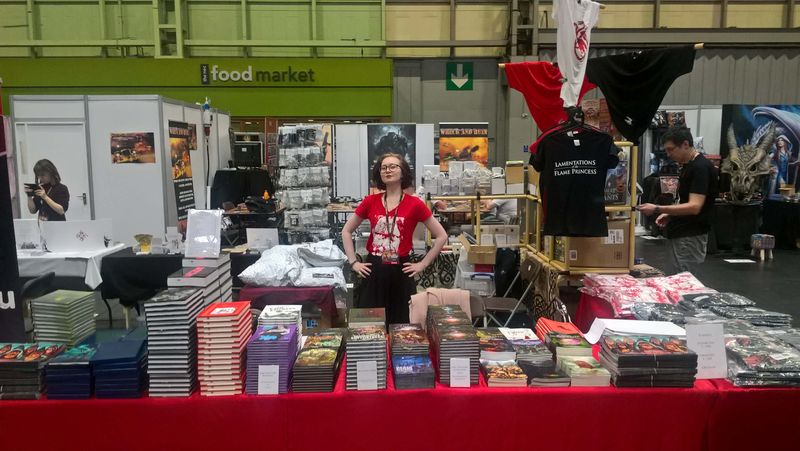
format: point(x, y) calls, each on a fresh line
point(47, 166)
point(406, 179)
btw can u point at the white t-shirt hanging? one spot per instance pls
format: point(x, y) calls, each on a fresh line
point(575, 20)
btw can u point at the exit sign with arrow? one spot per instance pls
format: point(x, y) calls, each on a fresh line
point(459, 76)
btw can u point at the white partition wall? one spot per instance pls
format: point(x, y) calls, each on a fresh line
point(75, 132)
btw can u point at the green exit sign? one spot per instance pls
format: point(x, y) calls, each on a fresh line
point(459, 76)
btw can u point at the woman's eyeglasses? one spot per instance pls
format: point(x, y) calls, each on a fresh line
point(390, 167)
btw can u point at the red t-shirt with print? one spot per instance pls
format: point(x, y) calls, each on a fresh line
point(411, 211)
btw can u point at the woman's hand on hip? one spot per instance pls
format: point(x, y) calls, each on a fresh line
point(362, 269)
point(412, 269)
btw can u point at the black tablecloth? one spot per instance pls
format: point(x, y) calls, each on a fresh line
point(733, 225)
point(782, 219)
point(132, 278)
point(236, 185)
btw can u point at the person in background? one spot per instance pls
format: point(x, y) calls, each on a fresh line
point(51, 197)
point(393, 216)
point(687, 223)
point(502, 209)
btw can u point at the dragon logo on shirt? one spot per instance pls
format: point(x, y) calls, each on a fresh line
point(581, 40)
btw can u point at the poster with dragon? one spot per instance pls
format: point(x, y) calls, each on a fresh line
point(760, 140)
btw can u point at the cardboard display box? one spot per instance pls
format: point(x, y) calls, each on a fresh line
point(602, 252)
point(476, 254)
point(515, 172)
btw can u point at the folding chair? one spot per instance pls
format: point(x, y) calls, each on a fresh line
point(506, 304)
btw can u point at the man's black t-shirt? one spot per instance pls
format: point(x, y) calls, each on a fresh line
point(573, 168)
point(698, 176)
point(60, 195)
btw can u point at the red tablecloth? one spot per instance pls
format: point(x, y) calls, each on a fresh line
point(589, 308)
point(710, 416)
point(322, 297)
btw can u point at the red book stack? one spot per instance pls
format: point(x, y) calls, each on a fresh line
point(223, 330)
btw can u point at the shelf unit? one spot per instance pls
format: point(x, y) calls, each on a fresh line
point(533, 246)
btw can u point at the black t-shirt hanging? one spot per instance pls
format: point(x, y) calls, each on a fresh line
point(635, 83)
point(573, 168)
point(698, 176)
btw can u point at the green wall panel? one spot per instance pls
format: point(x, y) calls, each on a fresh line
point(65, 21)
point(280, 22)
point(349, 21)
point(12, 28)
point(340, 87)
point(137, 23)
point(215, 21)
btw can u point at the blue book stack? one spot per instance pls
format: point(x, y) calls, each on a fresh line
point(119, 369)
point(69, 374)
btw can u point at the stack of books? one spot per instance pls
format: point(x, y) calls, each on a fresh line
point(411, 362)
point(504, 373)
point(63, 316)
point(366, 344)
point(171, 318)
point(69, 374)
point(494, 345)
point(211, 275)
point(317, 364)
point(528, 347)
point(562, 338)
point(453, 337)
point(648, 360)
point(544, 374)
point(367, 317)
point(584, 371)
point(276, 346)
point(757, 358)
point(223, 329)
point(118, 368)
point(282, 315)
point(21, 368)
point(545, 326)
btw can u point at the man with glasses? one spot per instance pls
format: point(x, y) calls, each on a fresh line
point(688, 222)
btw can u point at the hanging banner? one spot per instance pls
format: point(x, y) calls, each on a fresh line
point(12, 327)
point(463, 142)
point(179, 136)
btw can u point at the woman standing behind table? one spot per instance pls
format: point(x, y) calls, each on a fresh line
point(51, 198)
point(393, 216)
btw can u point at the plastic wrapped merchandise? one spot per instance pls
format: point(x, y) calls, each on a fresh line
point(277, 267)
point(321, 277)
point(203, 233)
point(323, 253)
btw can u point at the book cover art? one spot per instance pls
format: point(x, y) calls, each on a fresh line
point(407, 335)
point(172, 295)
point(224, 309)
point(412, 365)
point(458, 333)
point(63, 297)
point(507, 369)
point(489, 333)
point(270, 333)
point(544, 371)
point(367, 333)
point(325, 338)
point(445, 309)
point(519, 333)
point(645, 345)
point(582, 366)
point(198, 272)
point(281, 312)
point(559, 340)
point(549, 325)
point(77, 354)
point(360, 315)
point(530, 348)
point(317, 357)
point(29, 352)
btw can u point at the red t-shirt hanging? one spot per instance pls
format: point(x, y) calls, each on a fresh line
point(411, 211)
point(540, 83)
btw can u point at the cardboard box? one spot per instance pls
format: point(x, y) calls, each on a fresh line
point(478, 254)
point(533, 181)
point(499, 185)
point(515, 188)
point(515, 172)
point(602, 252)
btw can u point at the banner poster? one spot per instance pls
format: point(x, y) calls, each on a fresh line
point(391, 138)
point(12, 326)
point(463, 142)
point(135, 147)
point(192, 136)
point(751, 123)
point(181, 167)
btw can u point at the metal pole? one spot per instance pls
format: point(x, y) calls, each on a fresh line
point(452, 26)
point(657, 14)
point(723, 14)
